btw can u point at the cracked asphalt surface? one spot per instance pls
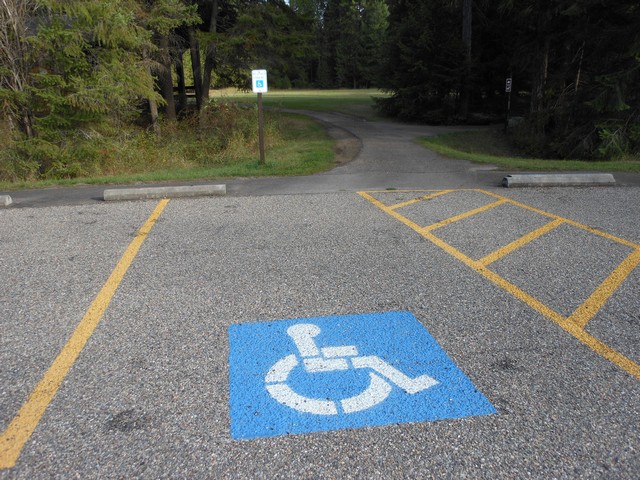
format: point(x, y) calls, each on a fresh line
point(148, 396)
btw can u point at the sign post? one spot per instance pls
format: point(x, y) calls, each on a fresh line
point(259, 84)
point(507, 89)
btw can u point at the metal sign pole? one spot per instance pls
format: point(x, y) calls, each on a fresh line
point(508, 90)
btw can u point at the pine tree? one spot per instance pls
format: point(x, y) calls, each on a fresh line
point(352, 35)
point(161, 18)
point(423, 63)
point(584, 76)
point(83, 64)
point(82, 69)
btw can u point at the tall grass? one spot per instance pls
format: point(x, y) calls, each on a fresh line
point(220, 142)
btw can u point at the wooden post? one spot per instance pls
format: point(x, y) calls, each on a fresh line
point(261, 129)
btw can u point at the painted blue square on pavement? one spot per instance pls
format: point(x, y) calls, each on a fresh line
point(329, 373)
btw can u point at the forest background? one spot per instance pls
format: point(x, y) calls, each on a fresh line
point(81, 81)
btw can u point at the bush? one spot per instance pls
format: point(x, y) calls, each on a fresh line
point(13, 167)
point(555, 137)
point(221, 134)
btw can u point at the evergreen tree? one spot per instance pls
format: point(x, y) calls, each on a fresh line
point(576, 61)
point(423, 62)
point(373, 37)
point(583, 76)
point(353, 32)
point(266, 35)
point(83, 68)
point(16, 63)
point(78, 63)
point(162, 18)
point(217, 17)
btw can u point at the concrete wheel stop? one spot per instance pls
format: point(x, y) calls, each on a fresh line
point(146, 193)
point(558, 180)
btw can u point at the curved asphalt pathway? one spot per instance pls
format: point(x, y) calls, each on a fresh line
point(388, 158)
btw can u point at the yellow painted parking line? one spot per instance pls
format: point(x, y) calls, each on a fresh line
point(475, 265)
point(391, 212)
point(462, 216)
point(25, 422)
point(565, 220)
point(599, 297)
point(513, 246)
point(497, 279)
point(603, 349)
point(416, 200)
point(566, 323)
point(574, 325)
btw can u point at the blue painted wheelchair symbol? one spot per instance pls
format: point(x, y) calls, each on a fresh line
point(330, 359)
point(328, 373)
point(259, 83)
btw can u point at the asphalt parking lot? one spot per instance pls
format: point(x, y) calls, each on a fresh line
point(532, 294)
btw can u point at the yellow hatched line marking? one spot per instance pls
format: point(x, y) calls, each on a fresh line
point(416, 200)
point(599, 297)
point(497, 279)
point(462, 216)
point(513, 246)
point(565, 220)
point(391, 212)
point(475, 265)
point(568, 325)
point(25, 422)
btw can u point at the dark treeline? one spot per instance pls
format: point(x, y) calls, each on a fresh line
point(575, 64)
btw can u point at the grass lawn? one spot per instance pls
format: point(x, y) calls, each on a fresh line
point(490, 146)
point(359, 103)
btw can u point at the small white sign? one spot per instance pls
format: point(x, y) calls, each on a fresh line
point(259, 81)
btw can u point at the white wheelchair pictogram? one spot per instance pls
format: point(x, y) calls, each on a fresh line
point(329, 359)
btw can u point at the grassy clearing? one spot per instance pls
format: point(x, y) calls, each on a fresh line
point(295, 145)
point(359, 103)
point(490, 146)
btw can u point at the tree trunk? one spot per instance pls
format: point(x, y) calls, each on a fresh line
point(210, 56)
point(153, 105)
point(29, 128)
point(182, 88)
point(153, 110)
point(540, 81)
point(209, 65)
point(213, 19)
point(194, 48)
point(579, 67)
point(166, 82)
point(467, 12)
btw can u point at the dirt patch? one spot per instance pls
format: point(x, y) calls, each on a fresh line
point(347, 146)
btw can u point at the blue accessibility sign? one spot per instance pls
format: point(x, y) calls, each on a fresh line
point(329, 373)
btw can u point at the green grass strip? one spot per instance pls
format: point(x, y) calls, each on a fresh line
point(449, 145)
